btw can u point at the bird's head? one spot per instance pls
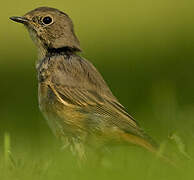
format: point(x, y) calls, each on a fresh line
point(50, 29)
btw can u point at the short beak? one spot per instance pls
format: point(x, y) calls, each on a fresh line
point(18, 19)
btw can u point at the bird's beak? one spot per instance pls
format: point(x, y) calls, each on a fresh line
point(19, 19)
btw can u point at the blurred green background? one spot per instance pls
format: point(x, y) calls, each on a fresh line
point(144, 50)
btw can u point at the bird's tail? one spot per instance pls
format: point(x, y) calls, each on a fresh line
point(138, 141)
point(147, 144)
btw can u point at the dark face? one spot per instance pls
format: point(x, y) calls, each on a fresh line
point(49, 28)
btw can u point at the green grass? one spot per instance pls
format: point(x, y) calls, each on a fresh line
point(136, 165)
point(31, 160)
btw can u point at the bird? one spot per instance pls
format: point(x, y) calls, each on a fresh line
point(77, 103)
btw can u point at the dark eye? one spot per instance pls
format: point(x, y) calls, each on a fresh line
point(47, 20)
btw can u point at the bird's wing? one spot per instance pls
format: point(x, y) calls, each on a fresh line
point(107, 108)
point(77, 83)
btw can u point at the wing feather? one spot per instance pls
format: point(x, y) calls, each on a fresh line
point(92, 103)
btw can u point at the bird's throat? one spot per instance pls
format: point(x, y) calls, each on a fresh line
point(42, 50)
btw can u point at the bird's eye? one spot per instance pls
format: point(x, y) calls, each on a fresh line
point(47, 20)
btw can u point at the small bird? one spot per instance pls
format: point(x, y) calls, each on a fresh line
point(73, 96)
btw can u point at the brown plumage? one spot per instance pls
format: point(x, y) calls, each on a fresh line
point(73, 96)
